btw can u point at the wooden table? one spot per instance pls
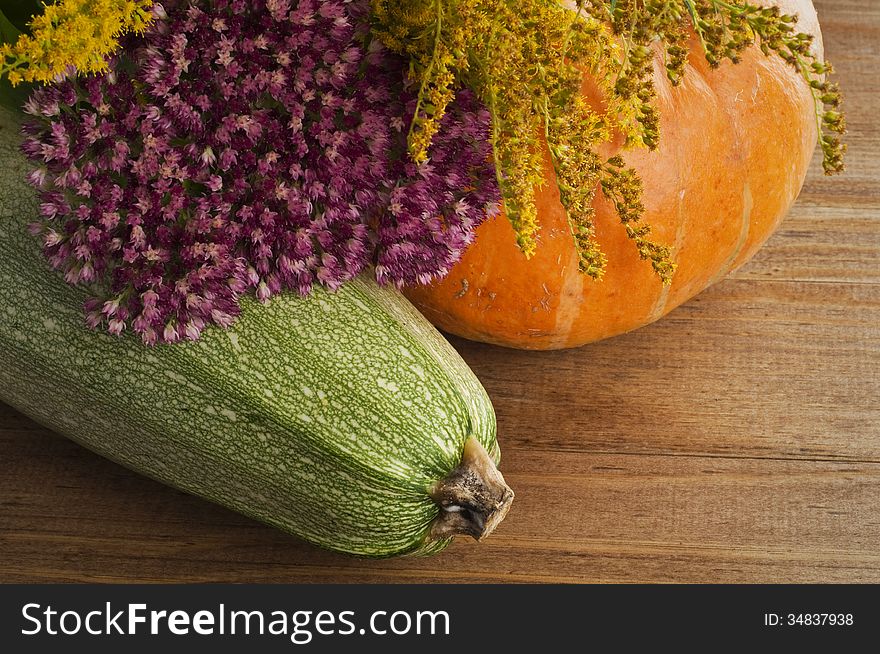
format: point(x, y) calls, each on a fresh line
point(738, 440)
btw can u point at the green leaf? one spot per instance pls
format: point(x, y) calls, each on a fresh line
point(13, 19)
point(9, 33)
point(13, 98)
point(19, 12)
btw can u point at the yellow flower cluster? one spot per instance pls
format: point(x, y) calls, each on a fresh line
point(78, 33)
point(435, 95)
point(435, 67)
point(507, 52)
point(577, 170)
point(525, 59)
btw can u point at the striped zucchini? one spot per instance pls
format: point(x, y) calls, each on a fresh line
point(344, 418)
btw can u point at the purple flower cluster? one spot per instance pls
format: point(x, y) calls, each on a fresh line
point(248, 145)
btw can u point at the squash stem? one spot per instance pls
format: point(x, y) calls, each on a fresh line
point(473, 498)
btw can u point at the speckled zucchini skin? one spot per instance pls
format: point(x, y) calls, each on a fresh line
point(328, 417)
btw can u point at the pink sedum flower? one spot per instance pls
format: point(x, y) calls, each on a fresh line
point(247, 146)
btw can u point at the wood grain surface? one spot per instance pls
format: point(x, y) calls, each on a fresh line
point(738, 440)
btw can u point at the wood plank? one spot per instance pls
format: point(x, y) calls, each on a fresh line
point(821, 243)
point(67, 514)
point(738, 440)
point(747, 369)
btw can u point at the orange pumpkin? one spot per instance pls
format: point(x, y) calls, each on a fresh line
point(735, 146)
